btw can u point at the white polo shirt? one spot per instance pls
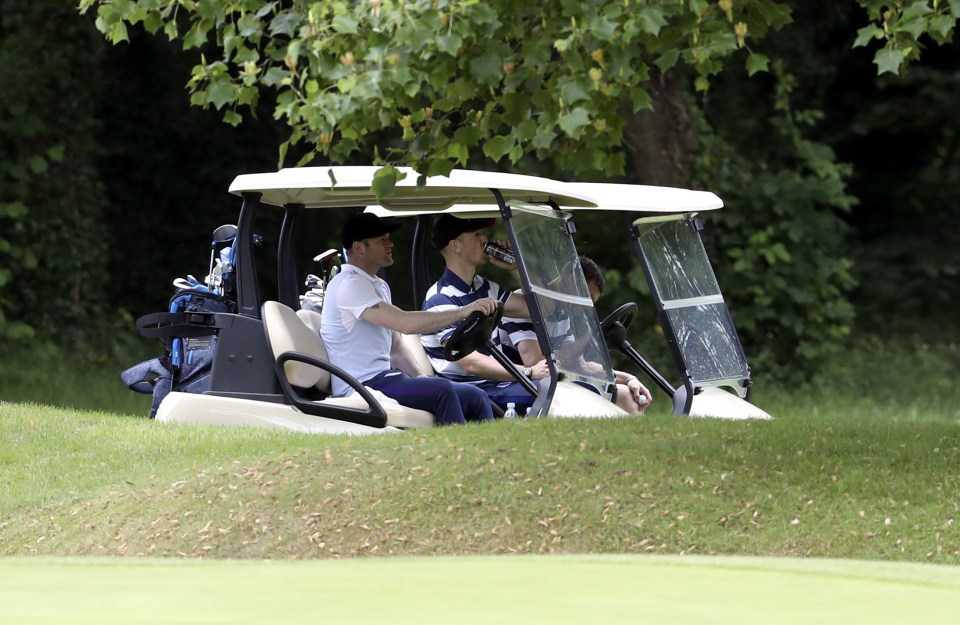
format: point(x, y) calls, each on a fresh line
point(359, 347)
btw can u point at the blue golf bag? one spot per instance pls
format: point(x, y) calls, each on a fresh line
point(188, 330)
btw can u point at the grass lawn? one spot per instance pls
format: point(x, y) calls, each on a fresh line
point(842, 510)
point(520, 589)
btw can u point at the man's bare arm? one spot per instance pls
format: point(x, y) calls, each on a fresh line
point(422, 322)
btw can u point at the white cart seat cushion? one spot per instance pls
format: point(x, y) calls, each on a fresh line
point(286, 332)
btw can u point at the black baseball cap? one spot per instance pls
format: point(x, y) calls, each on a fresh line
point(449, 227)
point(364, 226)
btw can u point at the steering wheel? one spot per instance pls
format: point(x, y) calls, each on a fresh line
point(615, 326)
point(473, 332)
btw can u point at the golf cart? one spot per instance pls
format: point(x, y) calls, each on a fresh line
point(271, 370)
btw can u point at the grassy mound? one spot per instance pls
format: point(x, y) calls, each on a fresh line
point(811, 483)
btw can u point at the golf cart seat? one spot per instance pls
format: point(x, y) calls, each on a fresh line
point(303, 367)
point(421, 362)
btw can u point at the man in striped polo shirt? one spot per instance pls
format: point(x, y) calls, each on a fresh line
point(461, 243)
point(518, 341)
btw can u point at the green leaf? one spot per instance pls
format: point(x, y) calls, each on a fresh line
point(641, 100)
point(459, 152)
point(602, 28)
point(449, 43)
point(775, 14)
point(14, 210)
point(287, 24)
point(757, 63)
point(914, 27)
point(440, 167)
point(516, 107)
point(275, 76)
point(940, 27)
point(195, 38)
point(667, 60)
point(651, 20)
point(345, 24)
point(38, 164)
point(249, 25)
point(221, 92)
point(526, 130)
point(118, 33)
point(487, 68)
point(918, 8)
point(171, 30)
point(573, 123)
point(232, 117)
point(347, 83)
point(543, 139)
point(865, 34)
point(573, 91)
point(496, 147)
point(888, 60)
point(468, 135)
point(385, 180)
point(56, 153)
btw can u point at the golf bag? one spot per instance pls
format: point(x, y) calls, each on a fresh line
point(188, 330)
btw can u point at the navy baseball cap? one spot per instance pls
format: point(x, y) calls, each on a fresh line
point(364, 226)
point(449, 227)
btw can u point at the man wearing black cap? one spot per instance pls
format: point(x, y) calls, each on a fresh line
point(361, 327)
point(461, 243)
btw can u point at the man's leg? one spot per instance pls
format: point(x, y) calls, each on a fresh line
point(436, 395)
point(474, 402)
point(503, 393)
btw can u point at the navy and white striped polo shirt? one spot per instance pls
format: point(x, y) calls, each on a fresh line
point(448, 293)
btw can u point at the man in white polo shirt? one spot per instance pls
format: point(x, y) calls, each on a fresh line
point(361, 330)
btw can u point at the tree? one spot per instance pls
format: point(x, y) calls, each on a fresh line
point(429, 82)
point(52, 247)
point(587, 90)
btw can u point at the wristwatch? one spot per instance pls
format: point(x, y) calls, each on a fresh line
point(527, 372)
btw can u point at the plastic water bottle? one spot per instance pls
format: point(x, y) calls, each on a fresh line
point(511, 412)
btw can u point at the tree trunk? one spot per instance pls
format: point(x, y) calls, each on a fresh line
point(661, 142)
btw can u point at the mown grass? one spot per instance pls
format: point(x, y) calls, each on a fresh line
point(79, 483)
point(858, 464)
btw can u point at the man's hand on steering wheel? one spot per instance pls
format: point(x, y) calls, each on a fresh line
point(485, 305)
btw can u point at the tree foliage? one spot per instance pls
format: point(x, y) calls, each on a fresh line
point(903, 26)
point(782, 242)
point(51, 232)
point(437, 83)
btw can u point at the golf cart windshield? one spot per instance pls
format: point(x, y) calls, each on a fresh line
point(569, 321)
point(692, 311)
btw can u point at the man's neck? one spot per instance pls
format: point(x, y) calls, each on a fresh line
point(365, 267)
point(463, 270)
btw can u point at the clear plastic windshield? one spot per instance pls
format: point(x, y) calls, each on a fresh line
point(684, 282)
point(557, 283)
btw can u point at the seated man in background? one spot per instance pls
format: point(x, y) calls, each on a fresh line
point(361, 330)
point(518, 339)
point(461, 243)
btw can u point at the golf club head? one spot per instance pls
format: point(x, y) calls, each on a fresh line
point(224, 234)
point(319, 258)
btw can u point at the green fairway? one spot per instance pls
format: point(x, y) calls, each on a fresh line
point(558, 589)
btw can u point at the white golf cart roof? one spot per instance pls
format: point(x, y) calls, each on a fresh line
point(603, 197)
point(338, 187)
point(463, 191)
